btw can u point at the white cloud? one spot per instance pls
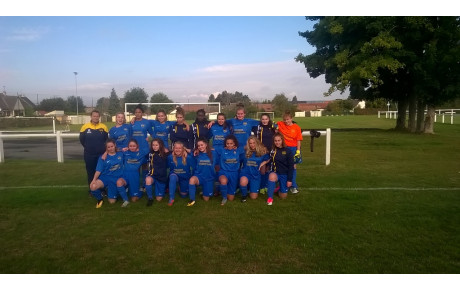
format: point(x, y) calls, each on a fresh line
point(27, 34)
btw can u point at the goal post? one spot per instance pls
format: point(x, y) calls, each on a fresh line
point(188, 107)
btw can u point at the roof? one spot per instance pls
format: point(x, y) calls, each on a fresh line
point(7, 103)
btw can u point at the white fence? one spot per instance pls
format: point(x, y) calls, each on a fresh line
point(60, 145)
point(59, 142)
point(439, 112)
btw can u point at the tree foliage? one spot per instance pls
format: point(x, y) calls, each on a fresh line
point(414, 61)
point(226, 98)
point(53, 104)
point(161, 98)
point(135, 95)
point(281, 104)
point(114, 105)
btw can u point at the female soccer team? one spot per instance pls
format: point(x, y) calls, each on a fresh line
point(235, 160)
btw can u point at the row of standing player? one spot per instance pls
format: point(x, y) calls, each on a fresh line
point(239, 126)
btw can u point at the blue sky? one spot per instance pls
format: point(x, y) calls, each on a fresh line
point(187, 58)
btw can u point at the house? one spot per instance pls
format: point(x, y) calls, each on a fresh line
point(11, 106)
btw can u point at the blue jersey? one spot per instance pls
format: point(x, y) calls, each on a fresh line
point(121, 135)
point(242, 129)
point(161, 130)
point(205, 167)
point(218, 135)
point(133, 160)
point(181, 170)
point(140, 128)
point(112, 165)
point(230, 160)
point(251, 165)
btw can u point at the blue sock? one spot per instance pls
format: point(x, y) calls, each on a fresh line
point(223, 191)
point(122, 193)
point(294, 176)
point(149, 190)
point(271, 188)
point(263, 181)
point(244, 191)
point(183, 195)
point(191, 191)
point(97, 194)
point(172, 186)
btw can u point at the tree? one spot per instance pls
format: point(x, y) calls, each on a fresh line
point(103, 104)
point(212, 98)
point(226, 98)
point(281, 104)
point(114, 103)
point(52, 104)
point(135, 95)
point(161, 98)
point(409, 60)
point(294, 100)
point(71, 104)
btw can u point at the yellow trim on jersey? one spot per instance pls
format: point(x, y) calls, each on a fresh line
point(95, 127)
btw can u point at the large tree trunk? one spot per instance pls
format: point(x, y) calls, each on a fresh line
point(429, 120)
point(412, 113)
point(420, 116)
point(401, 121)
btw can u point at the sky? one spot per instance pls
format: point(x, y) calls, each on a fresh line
point(185, 57)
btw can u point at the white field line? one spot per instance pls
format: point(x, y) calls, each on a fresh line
point(302, 189)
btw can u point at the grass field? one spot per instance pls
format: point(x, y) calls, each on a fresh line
point(389, 202)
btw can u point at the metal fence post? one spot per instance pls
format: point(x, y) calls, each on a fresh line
point(60, 147)
point(328, 146)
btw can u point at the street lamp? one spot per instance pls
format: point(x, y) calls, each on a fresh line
point(76, 92)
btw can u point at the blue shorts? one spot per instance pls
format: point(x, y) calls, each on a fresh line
point(282, 180)
point(160, 188)
point(233, 181)
point(207, 185)
point(254, 183)
point(111, 183)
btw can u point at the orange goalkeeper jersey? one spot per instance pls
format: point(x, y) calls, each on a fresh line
point(291, 133)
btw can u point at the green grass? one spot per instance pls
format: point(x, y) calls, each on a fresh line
point(333, 225)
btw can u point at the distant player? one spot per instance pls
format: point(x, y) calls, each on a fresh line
point(293, 137)
point(255, 159)
point(93, 136)
point(205, 171)
point(181, 166)
point(109, 173)
point(133, 160)
point(157, 174)
point(282, 168)
point(228, 161)
point(121, 132)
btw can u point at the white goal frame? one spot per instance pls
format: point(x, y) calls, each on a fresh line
point(261, 112)
point(182, 104)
